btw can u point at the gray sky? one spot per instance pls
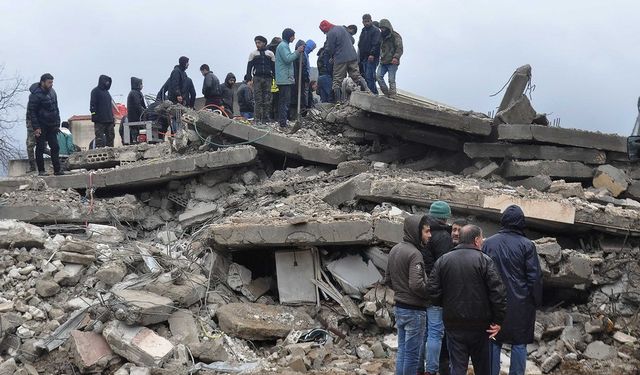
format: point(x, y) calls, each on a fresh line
point(456, 52)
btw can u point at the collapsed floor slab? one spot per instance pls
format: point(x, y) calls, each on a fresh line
point(562, 136)
point(553, 168)
point(534, 152)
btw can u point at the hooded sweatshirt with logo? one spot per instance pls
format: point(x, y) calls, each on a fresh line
point(101, 106)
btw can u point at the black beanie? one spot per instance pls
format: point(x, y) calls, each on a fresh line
point(287, 34)
point(183, 60)
point(260, 38)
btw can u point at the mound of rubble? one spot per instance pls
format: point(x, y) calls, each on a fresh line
point(234, 248)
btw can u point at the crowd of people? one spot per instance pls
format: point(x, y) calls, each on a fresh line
point(275, 87)
point(459, 296)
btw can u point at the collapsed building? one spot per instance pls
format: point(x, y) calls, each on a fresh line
point(235, 248)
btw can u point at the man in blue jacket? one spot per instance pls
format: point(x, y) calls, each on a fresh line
point(516, 259)
point(285, 73)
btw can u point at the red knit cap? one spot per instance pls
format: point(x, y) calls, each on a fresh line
point(325, 26)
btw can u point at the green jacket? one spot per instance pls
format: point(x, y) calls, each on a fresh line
point(284, 64)
point(65, 141)
point(391, 45)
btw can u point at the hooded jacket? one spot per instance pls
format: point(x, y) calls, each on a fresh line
point(325, 65)
point(309, 46)
point(246, 102)
point(369, 42)
point(101, 106)
point(391, 45)
point(305, 65)
point(42, 108)
point(516, 259)
point(340, 45)
point(439, 244)
point(135, 101)
point(284, 60)
point(65, 142)
point(177, 83)
point(227, 92)
point(405, 269)
point(467, 285)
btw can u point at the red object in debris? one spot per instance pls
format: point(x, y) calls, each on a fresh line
point(120, 110)
point(142, 138)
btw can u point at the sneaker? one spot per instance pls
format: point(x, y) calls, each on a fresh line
point(58, 173)
point(42, 174)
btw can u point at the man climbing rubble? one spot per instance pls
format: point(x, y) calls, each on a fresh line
point(391, 50)
point(44, 117)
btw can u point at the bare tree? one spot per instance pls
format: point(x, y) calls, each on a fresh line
point(11, 89)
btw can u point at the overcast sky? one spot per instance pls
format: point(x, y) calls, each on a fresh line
point(583, 53)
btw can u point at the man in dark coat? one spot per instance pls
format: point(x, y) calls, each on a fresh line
point(177, 81)
point(246, 101)
point(516, 259)
point(391, 50)
point(135, 101)
point(261, 67)
point(190, 92)
point(44, 117)
point(369, 51)
point(210, 87)
point(227, 93)
point(467, 285)
point(31, 139)
point(101, 108)
point(405, 275)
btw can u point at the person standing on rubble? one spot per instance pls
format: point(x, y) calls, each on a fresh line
point(325, 73)
point(285, 73)
point(210, 87)
point(369, 51)
point(44, 117)
point(261, 70)
point(466, 283)
point(391, 50)
point(439, 244)
point(246, 101)
point(405, 275)
point(190, 92)
point(101, 108)
point(31, 139)
point(340, 48)
point(135, 101)
point(275, 92)
point(177, 82)
point(516, 259)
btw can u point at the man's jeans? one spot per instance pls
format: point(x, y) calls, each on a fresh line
point(324, 86)
point(410, 324)
point(433, 338)
point(247, 115)
point(369, 71)
point(518, 358)
point(283, 103)
point(383, 69)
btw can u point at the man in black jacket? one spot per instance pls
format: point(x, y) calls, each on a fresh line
point(177, 82)
point(369, 51)
point(261, 67)
point(101, 107)
point(44, 117)
point(135, 101)
point(467, 285)
point(227, 93)
point(246, 101)
point(516, 259)
point(190, 92)
point(211, 87)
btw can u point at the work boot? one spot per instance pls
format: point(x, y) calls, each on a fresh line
point(337, 95)
point(363, 85)
point(41, 174)
point(32, 166)
point(58, 173)
point(392, 90)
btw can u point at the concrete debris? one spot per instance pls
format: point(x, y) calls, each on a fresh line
point(610, 178)
point(353, 274)
point(519, 111)
point(252, 321)
point(141, 307)
point(137, 344)
point(18, 234)
point(91, 353)
point(600, 351)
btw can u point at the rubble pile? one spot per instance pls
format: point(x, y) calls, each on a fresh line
point(234, 248)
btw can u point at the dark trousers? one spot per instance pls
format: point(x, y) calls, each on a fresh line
point(283, 103)
point(324, 86)
point(262, 94)
point(465, 344)
point(50, 136)
point(105, 134)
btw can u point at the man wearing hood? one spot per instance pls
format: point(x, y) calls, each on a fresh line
point(345, 59)
point(390, 52)
point(135, 101)
point(31, 139)
point(260, 70)
point(405, 275)
point(302, 87)
point(516, 259)
point(285, 73)
point(369, 51)
point(44, 117)
point(101, 108)
point(227, 93)
point(177, 82)
point(467, 285)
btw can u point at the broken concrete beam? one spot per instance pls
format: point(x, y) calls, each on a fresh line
point(199, 213)
point(352, 167)
point(534, 152)
point(553, 168)
point(339, 231)
point(517, 84)
point(540, 183)
point(405, 130)
point(534, 208)
point(18, 234)
point(423, 114)
point(562, 136)
point(70, 213)
point(99, 233)
point(141, 307)
point(398, 153)
point(567, 189)
point(137, 344)
point(75, 258)
point(519, 111)
point(254, 321)
point(270, 140)
point(610, 178)
point(575, 269)
point(91, 352)
point(486, 171)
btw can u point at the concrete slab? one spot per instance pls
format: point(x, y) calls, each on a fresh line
point(517, 84)
point(553, 168)
point(91, 353)
point(562, 136)
point(534, 152)
point(72, 213)
point(423, 114)
point(534, 208)
point(137, 344)
point(294, 271)
point(273, 141)
point(254, 321)
point(141, 307)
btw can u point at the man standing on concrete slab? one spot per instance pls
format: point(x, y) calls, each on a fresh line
point(284, 73)
point(177, 82)
point(210, 87)
point(405, 275)
point(246, 101)
point(227, 93)
point(101, 107)
point(190, 92)
point(325, 73)
point(369, 51)
point(391, 50)
point(44, 117)
point(31, 139)
point(467, 285)
point(516, 259)
point(135, 101)
point(339, 46)
point(261, 66)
